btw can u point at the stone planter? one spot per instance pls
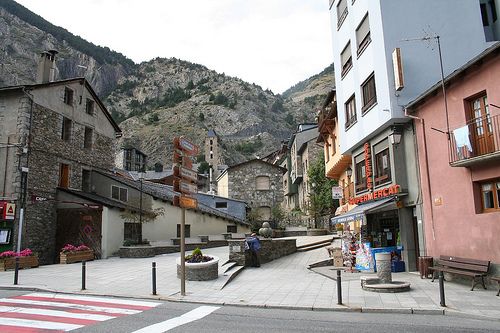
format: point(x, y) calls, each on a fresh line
point(24, 262)
point(201, 271)
point(77, 256)
point(137, 251)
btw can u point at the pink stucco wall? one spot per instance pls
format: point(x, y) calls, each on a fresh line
point(454, 227)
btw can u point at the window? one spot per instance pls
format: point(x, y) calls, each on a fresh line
point(68, 96)
point(490, 196)
point(211, 143)
point(63, 175)
point(360, 174)
point(363, 35)
point(369, 93)
point(221, 205)
point(484, 14)
point(493, 9)
point(346, 59)
point(119, 193)
point(262, 183)
point(232, 229)
point(89, 107)
point(87, 140)
point(86, 185)
point(66, 129)
point(187, 231)
point(341, 12)
point(350, 112)
point(130, 231)
point(382, 167)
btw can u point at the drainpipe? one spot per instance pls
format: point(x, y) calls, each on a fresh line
point(426, 157)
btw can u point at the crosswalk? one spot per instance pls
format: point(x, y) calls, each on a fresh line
point(49, 312)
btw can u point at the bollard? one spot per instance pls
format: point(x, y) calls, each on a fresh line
point(83, 274)
point(16, 271)
point(154, 278)
point(441, 288)
point(339, 287)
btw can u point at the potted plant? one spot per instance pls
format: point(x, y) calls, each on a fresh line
point(26, 257)
point(199, 267)
point(70, 254)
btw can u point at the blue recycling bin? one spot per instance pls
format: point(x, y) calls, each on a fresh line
point(388, 249)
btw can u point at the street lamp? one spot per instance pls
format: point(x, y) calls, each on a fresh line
point(139, 232)
point(348, 172)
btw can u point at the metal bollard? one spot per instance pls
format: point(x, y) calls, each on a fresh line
point(154, 278)
point(83, 274)
point(441, 288)
point(339, 287)
point(16, 271)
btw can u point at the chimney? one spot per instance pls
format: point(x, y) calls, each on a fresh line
point(46, 67)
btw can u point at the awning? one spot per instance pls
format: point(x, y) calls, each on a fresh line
point(359, 212)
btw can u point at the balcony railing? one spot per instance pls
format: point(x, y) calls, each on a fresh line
point(476, 142)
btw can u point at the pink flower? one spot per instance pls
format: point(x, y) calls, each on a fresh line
point(71, 248)
point(23, 253)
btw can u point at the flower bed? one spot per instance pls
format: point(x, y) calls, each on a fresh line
point(27, 259)
point(199, 267)
point(70, 254)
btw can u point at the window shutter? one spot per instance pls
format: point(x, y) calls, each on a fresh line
point(363, 30)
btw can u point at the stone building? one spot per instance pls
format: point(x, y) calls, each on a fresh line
point(256, 182)
point(213, 155)
point(131, 159)
point(52, 135)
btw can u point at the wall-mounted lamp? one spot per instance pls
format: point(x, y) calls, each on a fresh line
point(395, 136)
point(348, 172)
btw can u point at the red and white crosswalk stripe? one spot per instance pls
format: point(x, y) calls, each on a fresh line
point(48, 312)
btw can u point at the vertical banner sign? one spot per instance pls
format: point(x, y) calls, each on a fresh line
point(368, 166)
point(399, 81)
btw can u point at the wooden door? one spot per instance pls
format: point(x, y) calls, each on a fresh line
point(64, 176)
point(481, 127)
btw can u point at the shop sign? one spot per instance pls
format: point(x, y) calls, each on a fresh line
point(368, 166)
point(378, 194)
point(337, 192)
point(9, 210)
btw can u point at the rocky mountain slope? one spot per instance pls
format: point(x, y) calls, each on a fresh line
point(157, 100)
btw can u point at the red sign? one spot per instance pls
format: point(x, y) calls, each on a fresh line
point(8, 210)
point(382, 193)
point(368, 166)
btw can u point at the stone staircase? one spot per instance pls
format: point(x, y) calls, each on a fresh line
point(315, 245)
point(231, 270)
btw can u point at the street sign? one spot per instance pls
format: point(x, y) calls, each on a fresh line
point(188, 188)
point(188, 202)
point(9, 211)
point(187, 146)
point(337, 192)
point(186, 174)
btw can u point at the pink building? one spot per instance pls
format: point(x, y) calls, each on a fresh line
point(459, 159)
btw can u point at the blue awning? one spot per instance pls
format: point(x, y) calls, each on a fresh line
point(359, 212)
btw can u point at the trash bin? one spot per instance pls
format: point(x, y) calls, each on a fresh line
point(424, 263)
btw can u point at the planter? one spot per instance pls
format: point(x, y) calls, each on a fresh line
point(71, 257)
point(24, 262)
point(200, 271)
point(137, 251)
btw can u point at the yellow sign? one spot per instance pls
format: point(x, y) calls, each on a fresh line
point(188, 202)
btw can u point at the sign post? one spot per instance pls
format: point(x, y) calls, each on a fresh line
point(185, 180)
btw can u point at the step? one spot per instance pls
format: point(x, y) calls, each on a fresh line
point(322, 242)
point(312, 247)
point(231, 274)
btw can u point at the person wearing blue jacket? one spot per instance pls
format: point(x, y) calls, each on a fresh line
point(253, 247)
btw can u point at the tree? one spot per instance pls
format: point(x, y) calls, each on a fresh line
point(320, 195)
point(203, 167)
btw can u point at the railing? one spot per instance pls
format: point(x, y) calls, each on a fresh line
point(480, 137)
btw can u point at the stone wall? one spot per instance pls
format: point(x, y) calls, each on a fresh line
point(271, 249)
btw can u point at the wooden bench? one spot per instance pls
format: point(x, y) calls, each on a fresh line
point(462, 266)
point(497, 279)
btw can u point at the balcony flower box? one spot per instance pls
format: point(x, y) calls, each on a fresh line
point(70, 254)
point(26, 259)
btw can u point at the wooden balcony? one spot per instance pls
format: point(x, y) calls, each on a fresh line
point(475, 143)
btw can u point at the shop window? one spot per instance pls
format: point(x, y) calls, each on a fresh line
point(187, 231)
point(262, 183)
point(382, 167)
point(363, 38)
point(360, 176)
point(89, 107)
point(68, 96)
point(341, 12)
point(346, 60)
point(66, 129)
point(369, 93)
point(63, 175)
point(350, 112)
point(119, 193)
point(87, 140)
point(232, 229)
point(490, 196)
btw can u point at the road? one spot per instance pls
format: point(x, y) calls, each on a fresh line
point(29, 312)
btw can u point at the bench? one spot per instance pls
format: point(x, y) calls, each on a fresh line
point(497, 279)
point(462, 266)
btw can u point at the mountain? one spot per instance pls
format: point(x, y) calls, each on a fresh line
point(162, 98)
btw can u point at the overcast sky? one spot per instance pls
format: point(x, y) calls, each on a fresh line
point(273, 43)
